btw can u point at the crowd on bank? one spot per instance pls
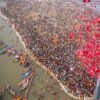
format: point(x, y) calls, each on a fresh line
point(39, 23)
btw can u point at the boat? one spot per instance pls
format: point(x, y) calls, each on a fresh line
point(26, 74)
point(27, 69)
point(11, 90)
point(2, 50)
point(1, 43)
point(26, 64)
point(16, 58)
point(29, 77)
point(23, 84)
point(2, 46)
point(23, 81)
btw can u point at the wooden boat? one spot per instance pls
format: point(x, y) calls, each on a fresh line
point(1, 47)
point(1, 43)
point(11, 90)
point(26, 64)
point(29, 77)
point(23, 81)
point(16, 58)
point(24, 85)
point(26, 74)
point(27, 69)
point(2, 50)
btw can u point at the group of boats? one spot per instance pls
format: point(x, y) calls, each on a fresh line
point(28, 72)
point(26, 76)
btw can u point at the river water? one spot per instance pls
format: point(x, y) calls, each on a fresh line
point(43, 84)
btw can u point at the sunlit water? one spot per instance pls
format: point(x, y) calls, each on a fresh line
point(10, 72)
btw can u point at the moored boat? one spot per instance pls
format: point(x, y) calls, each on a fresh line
point(1, 43)
point(16, 58)
point(11, 90)
point(27, 69)
point(26, 74)
point(26, 64)
point(2, 50)
point(23, 81)
point(24, 85)
point(29, 77)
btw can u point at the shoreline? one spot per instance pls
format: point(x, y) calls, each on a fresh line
point(31, 55)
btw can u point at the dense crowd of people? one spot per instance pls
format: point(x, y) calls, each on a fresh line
point(47, 29)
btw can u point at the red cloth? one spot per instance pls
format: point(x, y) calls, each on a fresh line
point(86, 1)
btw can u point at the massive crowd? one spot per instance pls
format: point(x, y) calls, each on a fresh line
point(47, 29)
